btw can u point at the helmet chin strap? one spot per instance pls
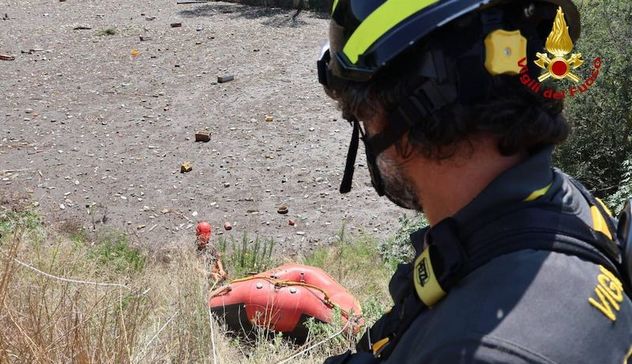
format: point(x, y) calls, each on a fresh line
point(347, 178)
point(385, 138)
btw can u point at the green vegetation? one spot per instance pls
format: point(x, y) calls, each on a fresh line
point(398, 248)
point(248, 256)
point(11, 220)
point(114, 252)
point(600, 146)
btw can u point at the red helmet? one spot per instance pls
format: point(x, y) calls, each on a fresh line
point(203, 232)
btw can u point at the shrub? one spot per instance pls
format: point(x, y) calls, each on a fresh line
point(601, 118)
point(398, 249)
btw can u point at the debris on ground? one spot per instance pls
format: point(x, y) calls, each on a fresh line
point(185, 2)
point(32, 50)
point(108, 31)
point(202, 136)
point(226, 78)
point(283, 209)
point(127, 131)
point(186, 167)
point(82, 27)
point(176, 25)
point(291, 222)
point(269, 118)
point(228, 226)
point(6, 57)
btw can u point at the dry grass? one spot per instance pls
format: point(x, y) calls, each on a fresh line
point(50, 314)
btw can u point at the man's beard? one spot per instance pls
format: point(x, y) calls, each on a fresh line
point(397, 187)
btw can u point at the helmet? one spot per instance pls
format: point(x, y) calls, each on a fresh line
point(367, 35)
point(203, 233)
point(454, 48)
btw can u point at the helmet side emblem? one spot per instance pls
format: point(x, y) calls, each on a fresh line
point(559, 44)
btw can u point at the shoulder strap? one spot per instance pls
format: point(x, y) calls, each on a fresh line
point(541, 229)
point(454, 257)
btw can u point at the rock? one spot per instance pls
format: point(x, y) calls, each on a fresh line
point(194, 213)
point(228, 226)
point(301, 233)
point(202, 136)
point(226, 78)
point(6, 57)
point(82, 27)
point(144, 38)
point(150, 18)
point(291, 222)
point(283, 209)
point(226, 184)
point(165, 211)
point(269, 118)
point(176, 25)
point(62, 206)
point(186, 167)
point(166, 258)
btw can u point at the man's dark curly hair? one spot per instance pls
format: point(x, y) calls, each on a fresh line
point(521, 120)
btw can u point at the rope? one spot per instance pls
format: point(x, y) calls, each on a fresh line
point(69, 280)
point(284, 283)
point(210, 322)
point(144, 351)
point(315, 345)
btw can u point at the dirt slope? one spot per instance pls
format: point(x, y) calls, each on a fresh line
point(84, 123)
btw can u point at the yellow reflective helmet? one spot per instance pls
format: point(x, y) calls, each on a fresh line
point(367, 35)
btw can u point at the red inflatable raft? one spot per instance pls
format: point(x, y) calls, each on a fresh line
point(282, 299)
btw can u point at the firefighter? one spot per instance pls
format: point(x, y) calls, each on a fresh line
point(519, 263)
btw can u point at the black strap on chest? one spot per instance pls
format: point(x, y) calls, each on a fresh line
point(457, 251)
